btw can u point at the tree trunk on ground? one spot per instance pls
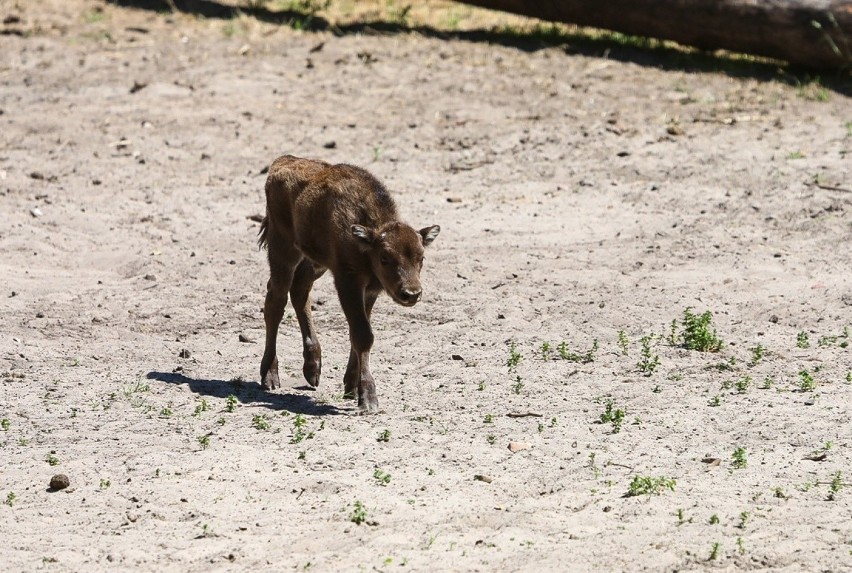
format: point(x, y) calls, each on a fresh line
point(814, 33)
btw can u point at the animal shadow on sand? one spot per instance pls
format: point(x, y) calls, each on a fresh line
point(249, 393)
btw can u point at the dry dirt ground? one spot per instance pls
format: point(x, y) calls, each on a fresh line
point(582, 191)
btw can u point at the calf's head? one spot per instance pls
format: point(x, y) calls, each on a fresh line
point(396, 257)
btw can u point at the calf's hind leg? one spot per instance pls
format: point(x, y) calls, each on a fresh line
point(281, 277)
point(300, 295)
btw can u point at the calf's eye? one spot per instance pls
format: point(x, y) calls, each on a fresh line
point(386, 260)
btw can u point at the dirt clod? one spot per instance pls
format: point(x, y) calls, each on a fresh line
point(59, 481)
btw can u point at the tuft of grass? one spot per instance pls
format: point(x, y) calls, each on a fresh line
point(382, 478)
point(299, 433)
point(739, 458)
point(204, 441)
point(582, 357)
point(545, 351)
point(231, 404)
point(202, 406)
point(259, 422)
point(806, 381)
point(11, 498)
point(359, 513)
point(803, 340)
point(743, 384)
point(714, 519)
point(518, 385)
point(757, 354)
point(647, 485)
point(698, 333)
point(835, 486)
point(384, 436)
point(623, 342)
point(612, 415)
point(649, 361)
point(744, 516)
point(51, 459)
point(714, 551)
point(515, 357)
point(5, 424)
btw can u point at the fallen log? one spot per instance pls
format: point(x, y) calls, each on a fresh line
point(812, 33)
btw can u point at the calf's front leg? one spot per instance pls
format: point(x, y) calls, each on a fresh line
point(358, 380)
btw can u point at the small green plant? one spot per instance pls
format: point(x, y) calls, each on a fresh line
point(481, 386)
point(384, 436)
point(646, 485)
point(11, 498)
point(612, 415)
point(680, 517)
point(649, 361)
point(803, 340)
point(259, 422)
point(201, 407)
point(231, 404)
point(740, 460)
point(518, 385)
point(740, 545)
point(697, 332)
point(593, 466)
point(553, 422)
point(623, 342)
point(105, 483)
point(743, 520)
point(742, 384)
point(382, 478)
point(51, 459)
point(489, 419)
point(302, 455)
point(757, 354)
point(714, 519)
point(5, 424)
point(779, 493)
point(583, 358)
point(491, 439)
point(166, 412)
point(715, 401)
point(835, 486)
point(674, 337)
point(545, 351)
point(514, 357)
point(359, 513)
point(795, 155)
point(768, 381)
point(714, 551)
point(299, 434)
point(540, 427)
point(204, 441)
point(221, 421)
point(806, 381)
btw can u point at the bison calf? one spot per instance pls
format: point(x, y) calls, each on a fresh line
point(338, 217)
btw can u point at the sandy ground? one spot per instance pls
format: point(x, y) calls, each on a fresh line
point(579, 195)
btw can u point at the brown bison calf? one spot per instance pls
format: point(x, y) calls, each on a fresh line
point(338, 217)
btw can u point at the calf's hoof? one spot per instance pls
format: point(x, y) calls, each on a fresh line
point(311, 370)
point(271, 381)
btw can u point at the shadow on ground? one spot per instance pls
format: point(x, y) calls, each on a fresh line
point(248, 393)
point(637, 50)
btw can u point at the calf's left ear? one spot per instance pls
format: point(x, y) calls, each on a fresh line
point(428, 234)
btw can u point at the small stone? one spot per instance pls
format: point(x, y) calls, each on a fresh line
point(516, 447)
point(184, 353)
point(454, 200)
point(607, 508)
point(330, 144)
point(36, 212)
point(150, 277)
point(244, 338)
point(457, 357)
point(483, 477)
point(39, 315)
point(59, 481)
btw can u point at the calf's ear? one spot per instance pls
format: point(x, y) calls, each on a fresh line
point(428, 234)
point(364, 235)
